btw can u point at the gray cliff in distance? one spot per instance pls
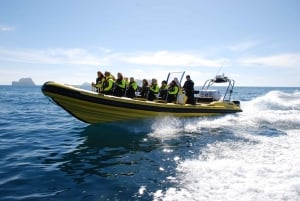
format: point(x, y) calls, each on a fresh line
point(23, 82)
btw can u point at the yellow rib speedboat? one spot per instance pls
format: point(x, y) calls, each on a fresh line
point(92, 107)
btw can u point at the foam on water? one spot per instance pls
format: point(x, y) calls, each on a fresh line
point(166, 128)
point(264, 166)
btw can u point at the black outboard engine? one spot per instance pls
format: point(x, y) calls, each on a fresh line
point(236, 102)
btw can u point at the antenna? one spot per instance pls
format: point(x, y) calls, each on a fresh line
point(219, 70)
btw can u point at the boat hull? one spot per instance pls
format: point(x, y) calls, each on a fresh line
point(92, 107)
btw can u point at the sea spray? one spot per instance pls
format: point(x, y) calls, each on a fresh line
point(264, 166)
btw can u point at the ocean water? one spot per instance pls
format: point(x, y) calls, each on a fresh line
point(45, 154)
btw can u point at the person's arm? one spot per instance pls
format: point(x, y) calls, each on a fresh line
point(155, 89)
point(134, 86)
point(123, 84)
point(174, 90)
point(110, 85)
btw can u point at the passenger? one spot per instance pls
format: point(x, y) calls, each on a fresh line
point(145, 89)
point(108, 84)
point(163, 91)
point(189, 90)
point(119, 88)
point(126, 81)
point(172, 92)
point(99, 81)
point(177, 82)
point(132, 87)
point(153, 90)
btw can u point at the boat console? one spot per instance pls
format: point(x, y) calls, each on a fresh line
point(207, 94)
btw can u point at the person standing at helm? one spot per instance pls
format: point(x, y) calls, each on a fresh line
point(108, 84)
point(153, 90)
point(189, 90)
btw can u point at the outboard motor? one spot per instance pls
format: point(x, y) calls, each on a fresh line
point(236, 102)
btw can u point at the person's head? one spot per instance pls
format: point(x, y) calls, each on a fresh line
point(131, 79)
point(164, 82)
point(154, 81)
point(99, 73)
point(145, 82)
point(120, 76)
point(188, 77)
point(107, 73)
point(173, 83)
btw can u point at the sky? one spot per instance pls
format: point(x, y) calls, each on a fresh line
point(254, 42)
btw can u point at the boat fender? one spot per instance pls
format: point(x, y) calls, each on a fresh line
point(181, 98)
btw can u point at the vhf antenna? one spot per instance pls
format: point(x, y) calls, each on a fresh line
point(219, 70)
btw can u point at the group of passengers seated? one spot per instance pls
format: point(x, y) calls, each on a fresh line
point(107, 84)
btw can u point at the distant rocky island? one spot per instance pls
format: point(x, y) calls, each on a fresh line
point(23, 82)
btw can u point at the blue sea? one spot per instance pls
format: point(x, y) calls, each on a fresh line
point(46, 154)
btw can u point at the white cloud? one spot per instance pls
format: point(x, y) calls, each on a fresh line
point(52, 56)
point(279, 60)
point(106, 57)
point(166, 58)
point(155, 64)
point(105, 50)
point(7, 28)
point(243, 46)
